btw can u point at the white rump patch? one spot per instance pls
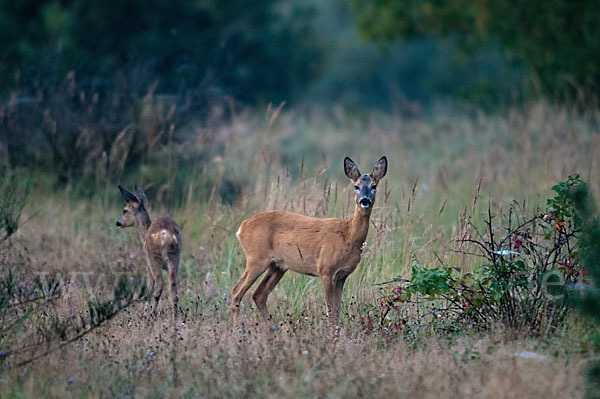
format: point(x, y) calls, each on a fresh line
point(165, 236)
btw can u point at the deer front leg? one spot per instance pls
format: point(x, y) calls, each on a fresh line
point(338, 290)
point(330, 298)
point(333, 288)
point(151, 282)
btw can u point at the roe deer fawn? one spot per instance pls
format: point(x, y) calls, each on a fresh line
point(277, 241)
point(161, 240)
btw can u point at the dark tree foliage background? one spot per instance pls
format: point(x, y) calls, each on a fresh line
point(92, 83)
point(254, 51)
point(89, 88)
point(291, 50)
point(558, 40)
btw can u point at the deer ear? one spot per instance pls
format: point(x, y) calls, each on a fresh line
point(379, 169)
point(127, 196)
point(351, 169)
point(139, 193)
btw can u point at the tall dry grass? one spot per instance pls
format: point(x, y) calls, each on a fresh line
point(444, 169)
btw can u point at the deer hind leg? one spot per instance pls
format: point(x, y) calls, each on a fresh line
point(236, 287)
point(265, 288)
point(155, 266)
point(172, 268)
point(254, 268)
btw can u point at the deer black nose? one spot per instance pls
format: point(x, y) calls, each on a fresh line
point(365, 202)
point(118, 223)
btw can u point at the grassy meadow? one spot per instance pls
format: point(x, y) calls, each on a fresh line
point(446, 167)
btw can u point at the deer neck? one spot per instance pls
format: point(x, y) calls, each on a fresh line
point(143, 223)
point(359, 225)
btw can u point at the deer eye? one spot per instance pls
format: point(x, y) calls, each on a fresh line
point(356, 188)
point(124, 211)
point(374, 187)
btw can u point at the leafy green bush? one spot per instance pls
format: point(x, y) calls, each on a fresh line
point(526, 281)
point(585, 216)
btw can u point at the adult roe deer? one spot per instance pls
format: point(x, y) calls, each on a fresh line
point(278, 241)
point(161, 240)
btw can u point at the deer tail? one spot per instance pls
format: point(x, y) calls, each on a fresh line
point(167, 238)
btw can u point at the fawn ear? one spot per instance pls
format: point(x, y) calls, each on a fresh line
point(379, 169)
point(139, 193)
point(351, 169)
point(127, 196)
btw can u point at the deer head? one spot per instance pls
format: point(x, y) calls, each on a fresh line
point(365, 186)
point(136, 204)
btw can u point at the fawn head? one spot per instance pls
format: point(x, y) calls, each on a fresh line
point(136, 203)
point(365, 186)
